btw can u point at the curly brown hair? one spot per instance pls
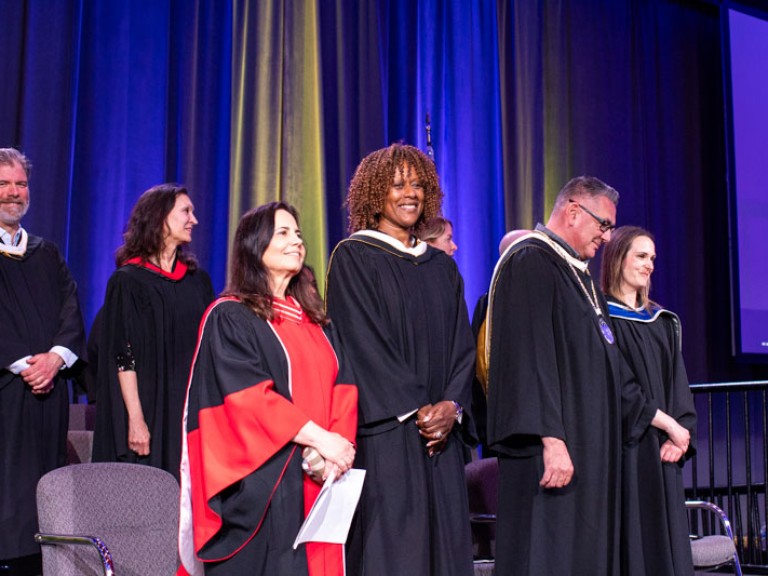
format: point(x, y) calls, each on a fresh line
point(249, 278)
point(145, 230)
point(374, 176)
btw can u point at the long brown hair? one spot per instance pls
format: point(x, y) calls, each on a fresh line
point(249, 278)
point(613, 259)
point(374, 176)
point(144, 234)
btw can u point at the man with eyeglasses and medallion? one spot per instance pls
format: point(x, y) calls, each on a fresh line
point(560, 400)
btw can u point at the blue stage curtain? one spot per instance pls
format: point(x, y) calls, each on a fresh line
point(607, 88)
point(152, 106)
point(108, 98)
point(199, 124)
point(385, 66)
point(37, 106)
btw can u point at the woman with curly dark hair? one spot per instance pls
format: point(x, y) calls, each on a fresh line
point(399, 307)
point(266, 389)
point(370, 186)
point(152, 308)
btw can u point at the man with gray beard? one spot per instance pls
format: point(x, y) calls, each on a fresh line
point(41, 337)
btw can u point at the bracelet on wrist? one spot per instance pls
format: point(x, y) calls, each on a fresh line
point(459, 411)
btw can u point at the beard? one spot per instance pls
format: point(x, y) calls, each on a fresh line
point(11, 213)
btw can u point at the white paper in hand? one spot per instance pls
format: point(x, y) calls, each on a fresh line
point(331, 514)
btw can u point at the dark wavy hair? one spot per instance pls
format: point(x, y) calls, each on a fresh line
point(373, 178)
point(249, 278)
point(613, 258)
point(144, 234)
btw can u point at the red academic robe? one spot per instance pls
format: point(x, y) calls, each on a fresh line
point(253, 385)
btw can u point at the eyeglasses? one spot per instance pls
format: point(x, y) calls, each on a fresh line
point(605, 224)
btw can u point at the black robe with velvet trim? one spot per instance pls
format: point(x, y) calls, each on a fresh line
point(553, 373)
point(655, 523)
point(38, 310)
point(241, 473)
point(159, 317)
point(404, 323)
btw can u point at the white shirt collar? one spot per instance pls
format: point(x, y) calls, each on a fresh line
point(15, 246)
point(9, 240)
point(417, 250)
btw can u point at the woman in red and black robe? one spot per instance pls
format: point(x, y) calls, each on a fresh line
point(265, 383)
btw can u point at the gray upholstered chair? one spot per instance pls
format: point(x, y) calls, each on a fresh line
point(82, 419)
point(712, 551)
point(79, 446)
point(108, 518)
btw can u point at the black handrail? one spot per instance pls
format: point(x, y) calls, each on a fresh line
point(735, 435)
point(730, 386)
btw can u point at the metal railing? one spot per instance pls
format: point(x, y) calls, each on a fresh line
point(731, 465)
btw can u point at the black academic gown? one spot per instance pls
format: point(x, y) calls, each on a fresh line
point(553, 372)
point(38, 310)
point(159, 317)
point(479, 402)
point(404, 323)
point(655, 538)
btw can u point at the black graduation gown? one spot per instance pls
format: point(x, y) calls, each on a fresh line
point(552, 372)
point(159, 317)
point(242, 496)
point(479, 401)
point(404, 323)
point(90, 376)
point(655, 538)
point(38, 309)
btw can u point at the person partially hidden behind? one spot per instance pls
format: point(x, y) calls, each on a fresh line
point(438, 233)
point(480, 382)
point(561, 401)
point(42, 336)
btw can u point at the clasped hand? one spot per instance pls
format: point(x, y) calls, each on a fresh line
point(338, 452)
point(435, 422)
point(677, 445)
point(679, 436)
point(42, 369)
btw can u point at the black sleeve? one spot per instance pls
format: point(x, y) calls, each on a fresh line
point(524, 387)
point(355, 307)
